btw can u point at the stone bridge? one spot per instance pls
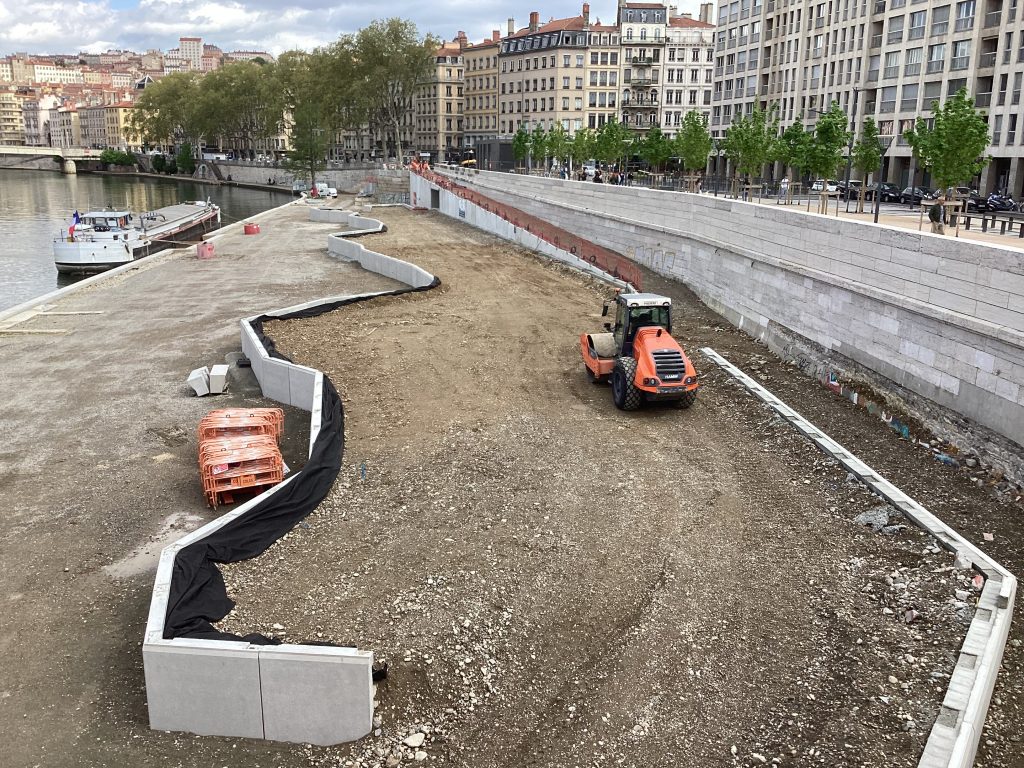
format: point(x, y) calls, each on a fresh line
point(31, 157)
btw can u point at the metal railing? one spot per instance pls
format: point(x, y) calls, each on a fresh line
point(891, 72)
point(983, 99)
point(987, 59)
point(962, 62)
point(895, 36)
point(992, 19)
point(963, 23)
point(915, 33)
point(876, 40)
point(914, 68)
point(935, 66)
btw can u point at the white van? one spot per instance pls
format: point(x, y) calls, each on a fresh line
point(323, 190)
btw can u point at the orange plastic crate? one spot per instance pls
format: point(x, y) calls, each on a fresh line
point(274, 415)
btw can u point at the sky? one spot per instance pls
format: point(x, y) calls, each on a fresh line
point(93, 26)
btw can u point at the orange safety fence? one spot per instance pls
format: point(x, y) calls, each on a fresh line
point(238, 450)
point(615, 264)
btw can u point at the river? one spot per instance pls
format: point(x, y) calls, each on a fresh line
point(36, 205)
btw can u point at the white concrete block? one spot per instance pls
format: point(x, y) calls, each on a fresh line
point(218, 379)
point(199, 380)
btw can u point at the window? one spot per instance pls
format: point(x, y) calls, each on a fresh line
point(593, 77)
point(936, 58)
point(961, 54)
point(594, 57)
point(613, 58)
point(565, 82)
point(579, 103)
point(592, 99)
point(895, 30)
point(579, 60)
point(565, 60)
point(908, 102)
point(579, 83)
point(964, 16)
point(916, 30)
point(940, 21)
point(913, 64)
point(565, 102)
point(892, 64)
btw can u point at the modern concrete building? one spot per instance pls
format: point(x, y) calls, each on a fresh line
point(481, 90)
point(191, 51)
point(890, 59)
point(438, 118)
point(12, 125)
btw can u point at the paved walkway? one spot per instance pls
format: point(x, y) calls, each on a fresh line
point(97, 469)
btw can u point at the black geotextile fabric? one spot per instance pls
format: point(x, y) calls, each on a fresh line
point(198, 597)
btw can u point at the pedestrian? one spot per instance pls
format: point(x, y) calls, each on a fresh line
point(937, 216)
point(597, 177)
point(784, 188)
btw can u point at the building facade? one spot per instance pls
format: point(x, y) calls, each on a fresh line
point(481, 90)
point(603, 78)
point(12, 125)
point(438, 117)
point(890, 59)
point(689, 67)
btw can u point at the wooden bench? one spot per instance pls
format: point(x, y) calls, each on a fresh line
point(1005, 220)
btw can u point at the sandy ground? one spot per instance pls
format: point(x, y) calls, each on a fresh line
point(554, 582)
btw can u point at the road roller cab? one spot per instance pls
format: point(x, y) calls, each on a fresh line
point(638, 354)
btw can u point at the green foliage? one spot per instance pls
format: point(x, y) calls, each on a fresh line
point(170, 110)
point(159, 163)
point(612, 142)
point(521, 144)
point(538, 144)
point(558, 143)
point(655, 148)
point(185, 160)
point(584, 145)
point(750, 141)
point(830, 137)
point(867, 153)
point(116, 157)
point(952, 148)
point(693, 143)
point(171, 167)
point(792, 148)
point(309, 141)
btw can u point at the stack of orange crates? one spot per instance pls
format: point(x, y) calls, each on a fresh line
point(238, 449)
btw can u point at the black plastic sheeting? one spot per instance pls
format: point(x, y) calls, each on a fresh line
point(198, 597)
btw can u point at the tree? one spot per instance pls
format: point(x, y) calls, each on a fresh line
point(521, 144)
point(170, 111)
point(750, 141)
point(693, 142)
point(116, 157)
point(793, 146)
point(611, 142)
point(159, 163)
point(539, 146)
point(951, 148)
point(184, 159)
point(583, 148)
point(309, 141)
point(829, 138)
point(867, 154)
point(241, 103)
point(390, 62)
point(655, 148)
point(558, 143)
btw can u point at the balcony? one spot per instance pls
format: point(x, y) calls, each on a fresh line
point(639, 104)
point(983, 99)
point(963, 24)
point(876, 41)
point(987, 60)
point(993, 18)
point(641, 61)
point(641, 82)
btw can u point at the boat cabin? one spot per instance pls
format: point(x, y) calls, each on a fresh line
point(105, 221)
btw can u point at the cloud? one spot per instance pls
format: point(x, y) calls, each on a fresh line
point(38, 26)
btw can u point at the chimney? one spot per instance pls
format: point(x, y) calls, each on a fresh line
point(673, 11)
point(586, 14)
point(705, 12)
point(511, 27)
point(495, 35)
point(534, 20)
point(461, 39)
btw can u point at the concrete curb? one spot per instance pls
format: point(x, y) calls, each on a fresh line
point(296, 693)
point(953, 741)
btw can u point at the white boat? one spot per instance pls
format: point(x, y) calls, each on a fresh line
point(102, 240)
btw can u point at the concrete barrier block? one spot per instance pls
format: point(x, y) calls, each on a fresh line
point(301, 384)
point(218, 379)
point(207, 687)
point(316, 695)
point(199, 380)
point(275, 380)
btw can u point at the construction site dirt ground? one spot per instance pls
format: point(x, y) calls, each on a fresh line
point(556, 583)
point(553, 582)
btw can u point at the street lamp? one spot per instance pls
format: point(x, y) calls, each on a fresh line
point(884, 142)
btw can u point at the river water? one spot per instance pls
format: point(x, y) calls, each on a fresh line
point(36, 205)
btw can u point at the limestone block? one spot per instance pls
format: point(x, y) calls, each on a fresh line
point(218, 379)
point(199, 380)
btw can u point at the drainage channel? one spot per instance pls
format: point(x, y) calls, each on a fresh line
point(954, 738)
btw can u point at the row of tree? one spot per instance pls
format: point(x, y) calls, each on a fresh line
point(614, 143)
point(364, 81)
point(951, 146)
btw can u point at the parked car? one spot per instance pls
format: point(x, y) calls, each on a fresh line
point(976, 203)
point(915, 195)
point(855, 188)
point(829, 185)
point(890, 192)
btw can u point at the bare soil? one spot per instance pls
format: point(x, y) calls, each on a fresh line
point(557, 583)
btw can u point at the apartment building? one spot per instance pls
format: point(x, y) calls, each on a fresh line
point(438, 117)
point(116, 121)
point(66, 129)
point(481, 90)
point(12, 126)
point(644, 27)
point(689, 66)
point(543, 74)
point(190, 50)
point(603, 75)
point(37, 115)
point(890, 59)
point(92, 121)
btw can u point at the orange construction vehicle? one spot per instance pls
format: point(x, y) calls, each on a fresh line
point(639, 355)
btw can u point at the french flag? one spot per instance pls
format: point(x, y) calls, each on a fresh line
point(74, 223)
